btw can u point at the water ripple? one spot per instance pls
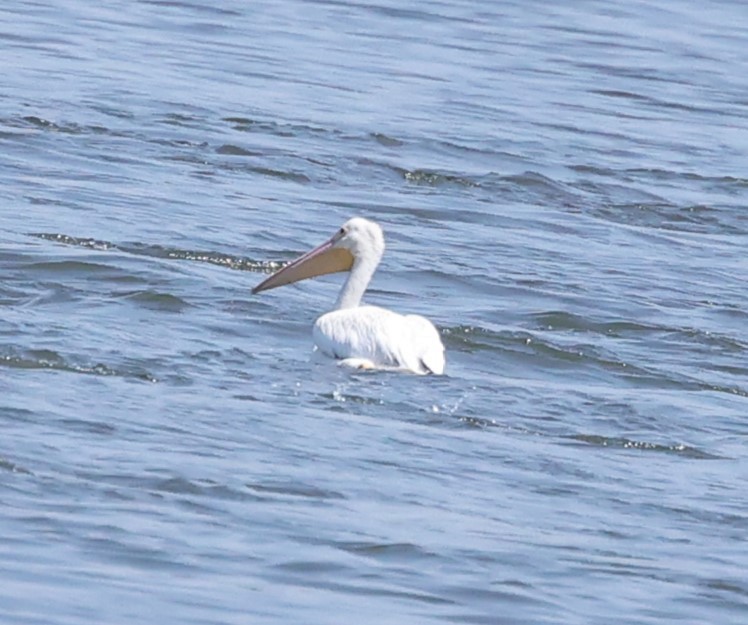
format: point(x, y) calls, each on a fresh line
point(625, 443)
point(150, 250)
point(50, 359)
point(7, 465)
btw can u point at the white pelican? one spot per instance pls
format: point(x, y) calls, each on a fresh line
point(367, 337)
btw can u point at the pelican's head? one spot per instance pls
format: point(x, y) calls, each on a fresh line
point(357, 240)
point(361, 237)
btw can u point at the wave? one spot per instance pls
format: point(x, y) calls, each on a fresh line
point(159, 251)
point(627, 443)
point(567, 341)
point(50, 359)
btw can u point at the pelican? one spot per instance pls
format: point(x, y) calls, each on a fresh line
point(365, 337)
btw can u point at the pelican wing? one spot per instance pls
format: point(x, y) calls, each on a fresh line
point(430, 348)
point(385, 338)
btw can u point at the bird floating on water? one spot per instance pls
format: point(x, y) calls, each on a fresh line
point(366, 337)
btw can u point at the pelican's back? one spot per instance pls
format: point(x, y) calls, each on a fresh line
point(383, 337)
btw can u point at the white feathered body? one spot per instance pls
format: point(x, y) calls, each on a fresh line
point(379, 338)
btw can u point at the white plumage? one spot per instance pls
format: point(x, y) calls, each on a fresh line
point(363, 336)
point(380, 338)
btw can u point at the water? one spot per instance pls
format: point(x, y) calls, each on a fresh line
point(563, 192)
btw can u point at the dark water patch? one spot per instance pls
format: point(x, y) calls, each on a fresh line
point(52, 360)
point(420, 16)
point(626, 95)
point(620, 566)
point(36, 200)
point(312, 567)
point(235, 150)
point(183, 120)
point(17, 415)
point(565, 321)
point(737, 589)
point(109, 110)
point(701, 219)
point(721, 388)
point(246, 397)
point(280, 129)
point(198, 160)
point(195, 7)
point(459, 147)
point(12, 467)
point(206, 355)
point(131, 552)
point(294, 489)
point(181, 144)
point(421, 177)
point(601, 194)
point(657, 103)
point(153, 300)
point(178, 485)
point(387, 552)
point(516, 598)
point(291, 176)
point(10, 296)
point(731, 524)
point(474, 338)
point(537, 181)
point(88, 426)
point(67, 128)
point(386, 141)
point(707, 339)
point(596, 170)
point(679, 176)
point(724, 595)
point(370, 588)
point(72, 267)
point(529, 186)
point(625, 443)
point(189, 489)
point(242, 167)
point(214, 490)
